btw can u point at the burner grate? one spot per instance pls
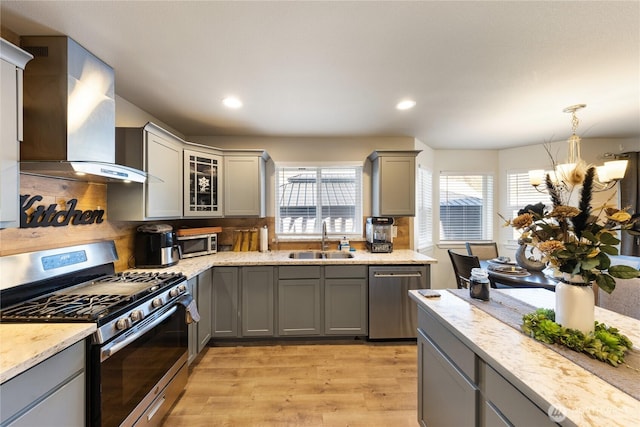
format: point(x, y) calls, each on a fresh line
point(64, 307)
point(140, 277)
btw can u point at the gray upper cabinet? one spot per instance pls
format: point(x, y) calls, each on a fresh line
point(245, 183)
point(203, 169)
point(13, 62)
point(159, 153)
point(393, 184)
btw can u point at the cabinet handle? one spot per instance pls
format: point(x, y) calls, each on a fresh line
point(417, 274)
point(156, 407)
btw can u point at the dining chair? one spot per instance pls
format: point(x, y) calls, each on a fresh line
point(483, 251)
point(462, 265)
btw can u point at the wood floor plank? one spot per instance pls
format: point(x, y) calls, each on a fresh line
point(325, 384)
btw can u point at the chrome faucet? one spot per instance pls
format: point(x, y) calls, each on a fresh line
point(324, 236)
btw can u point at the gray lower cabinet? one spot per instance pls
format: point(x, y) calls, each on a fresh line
point(192, 329)
point(446, 393)
point(199, 332)
point(457, 388)
point(258, 302)
point(302, 300)
point(225, 302)
point(345, 300)
point(299, 301)
point(506, 405)
point(51, 393)
point(205, 289)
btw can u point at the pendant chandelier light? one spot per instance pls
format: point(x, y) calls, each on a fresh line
point(608, 174)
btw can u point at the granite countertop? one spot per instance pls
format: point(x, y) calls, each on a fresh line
point(24, 345)
point(191, 267)
point(548, 377)
point(27, 344)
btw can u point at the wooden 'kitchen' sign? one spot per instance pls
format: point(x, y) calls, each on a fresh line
point(51, 217)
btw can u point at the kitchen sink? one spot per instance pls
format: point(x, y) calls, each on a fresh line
point(320, 255)
point(337, 255)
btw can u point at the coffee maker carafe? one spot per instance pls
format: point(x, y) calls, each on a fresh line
point(379, 233)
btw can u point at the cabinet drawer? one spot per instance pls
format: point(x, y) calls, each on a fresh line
point(299, 272)
point(510, 402)
point(459, 353)
point(41, 380)
point(346, 271)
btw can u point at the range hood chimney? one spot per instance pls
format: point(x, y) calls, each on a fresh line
point(69, 114)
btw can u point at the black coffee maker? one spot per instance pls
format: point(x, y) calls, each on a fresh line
point(156, 246)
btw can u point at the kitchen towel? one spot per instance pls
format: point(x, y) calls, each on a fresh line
point(189, 303)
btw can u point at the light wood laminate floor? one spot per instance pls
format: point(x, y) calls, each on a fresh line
point(325, 384)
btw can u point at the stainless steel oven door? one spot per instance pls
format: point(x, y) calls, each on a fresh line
point(131, 371)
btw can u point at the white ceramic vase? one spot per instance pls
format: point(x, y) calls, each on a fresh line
point(575, 304)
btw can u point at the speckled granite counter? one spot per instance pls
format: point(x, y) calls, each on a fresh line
point(25, 345)
point(191, 267)
point(543, 375)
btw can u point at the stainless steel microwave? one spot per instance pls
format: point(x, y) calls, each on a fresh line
point(198, 245)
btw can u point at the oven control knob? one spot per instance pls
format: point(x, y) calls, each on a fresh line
point(136, 315)
point(182, 288)
point(157, 302)
point(174, 292)
point(123, 323)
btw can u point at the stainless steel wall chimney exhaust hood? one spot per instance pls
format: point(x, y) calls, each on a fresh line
point(69, 114)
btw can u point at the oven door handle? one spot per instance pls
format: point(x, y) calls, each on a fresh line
point(119, 343)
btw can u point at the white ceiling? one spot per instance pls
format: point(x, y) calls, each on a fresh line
point(484, 74)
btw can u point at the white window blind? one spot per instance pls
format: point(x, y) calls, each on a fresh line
point(466, 207)
point(425, 208)
point(308, 196)
point(521, 193)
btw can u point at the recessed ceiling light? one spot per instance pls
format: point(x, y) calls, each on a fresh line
point(232, 102)
point(406, 104)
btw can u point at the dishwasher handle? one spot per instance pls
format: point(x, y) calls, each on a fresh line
point(394, 275)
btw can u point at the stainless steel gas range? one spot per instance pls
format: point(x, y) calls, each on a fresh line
point(137, 357)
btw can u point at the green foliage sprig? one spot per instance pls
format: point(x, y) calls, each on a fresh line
point(606, 343)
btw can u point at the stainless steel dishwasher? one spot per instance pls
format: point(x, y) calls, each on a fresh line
point(392, 314)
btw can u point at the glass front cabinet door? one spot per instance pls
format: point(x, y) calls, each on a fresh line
point(203, 183)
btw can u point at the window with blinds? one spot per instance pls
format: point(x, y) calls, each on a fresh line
point(521, 193)
point(308, 196)
point(466, 207)
point(424, 208)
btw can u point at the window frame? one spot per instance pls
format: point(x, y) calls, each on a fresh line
point(424, 208)
point(318, 168)
point(487, 194)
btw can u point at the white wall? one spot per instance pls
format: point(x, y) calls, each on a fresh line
point(128, 115)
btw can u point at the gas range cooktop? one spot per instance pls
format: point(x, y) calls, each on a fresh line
point(94, 300)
